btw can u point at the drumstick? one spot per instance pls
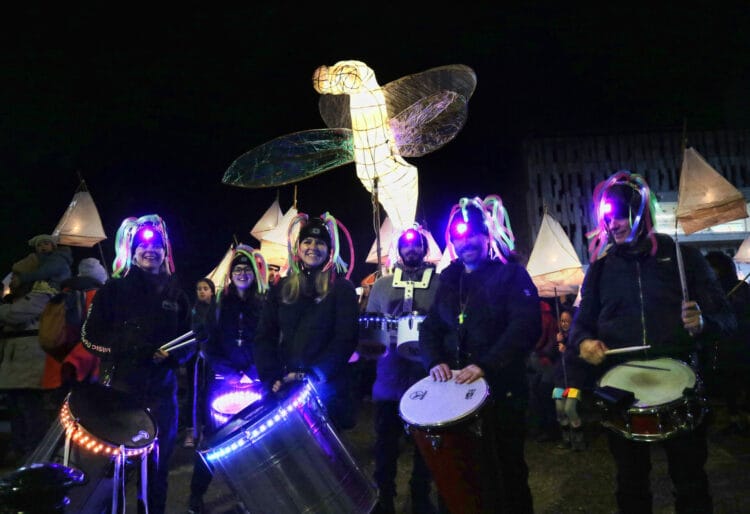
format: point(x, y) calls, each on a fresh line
point(177, 339)
point(167, 348)
point(627, 349)
point(630, 365)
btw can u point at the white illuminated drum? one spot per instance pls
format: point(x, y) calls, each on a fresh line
point(447, 422)
point(374, 334)
point(668, 399)
point(408, 336)
point(229, 399)
point(99, 431)
point(285, 456)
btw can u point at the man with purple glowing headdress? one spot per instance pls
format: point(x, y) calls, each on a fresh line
point(484, 321)
point(132, 315)
point(633, 295)
point(411, 288)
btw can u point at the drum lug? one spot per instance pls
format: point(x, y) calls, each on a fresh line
point(435, 441)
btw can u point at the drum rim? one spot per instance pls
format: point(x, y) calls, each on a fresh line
point(451, 422)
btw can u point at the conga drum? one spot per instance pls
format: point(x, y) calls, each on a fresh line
point(102, 432)
point(282, 455)
point(668, 399)
point(447, 421)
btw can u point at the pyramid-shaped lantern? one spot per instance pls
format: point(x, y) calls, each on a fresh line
point(219, 274)
point(268, 221)
point(705, 198)
point(273, 246)
point(80, 225)
point(553, 264)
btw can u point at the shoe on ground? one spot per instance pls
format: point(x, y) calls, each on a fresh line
point(577, 442)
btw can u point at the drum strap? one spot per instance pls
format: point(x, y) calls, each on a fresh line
point(143, 493)
point(409, 285)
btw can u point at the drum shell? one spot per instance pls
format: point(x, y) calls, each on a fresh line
point(459, 453)
point(374, 334)
point(658, 421)
point(407, 340)
point(297, 463)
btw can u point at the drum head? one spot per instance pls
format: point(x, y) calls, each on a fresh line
point(429, 403)
point(112, 416)
point(653, 381)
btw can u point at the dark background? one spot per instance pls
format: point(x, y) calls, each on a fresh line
point(151, 106)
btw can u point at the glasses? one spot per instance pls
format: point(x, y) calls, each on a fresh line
point(241, 271)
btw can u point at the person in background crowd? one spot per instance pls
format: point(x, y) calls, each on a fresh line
point(726, 362)
point(543, 360)
point(141, 308)
point(309, 323)
point(572, 377)
point(410, 289)
point(229, 349)
point(484, 322)
point(632, 295)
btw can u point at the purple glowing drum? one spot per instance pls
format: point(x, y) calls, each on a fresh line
point(281, 454)
point(231, 399)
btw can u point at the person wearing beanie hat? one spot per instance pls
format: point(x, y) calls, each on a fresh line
point(482, 325)
point(228, 349)
point(409, 290)
point(632, 296)
point(131, 317)
point(43, 243)
point(91, 267)
point(309, 323)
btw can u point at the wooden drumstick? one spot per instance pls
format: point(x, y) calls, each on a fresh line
point(627, 349)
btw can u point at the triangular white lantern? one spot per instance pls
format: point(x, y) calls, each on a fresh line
point(268, 221)
point(553, 264)
point(80, 225)
point(273, 246)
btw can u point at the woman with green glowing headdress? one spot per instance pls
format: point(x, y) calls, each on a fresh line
point(228, 351)
point(141, 308)
point(309, 324)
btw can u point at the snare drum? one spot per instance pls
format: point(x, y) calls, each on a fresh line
point(668, 399)
point(374, 334)
point(99, 431)
point(447, 422)
point(285, 456)
point(227, 399)
point(408, 336)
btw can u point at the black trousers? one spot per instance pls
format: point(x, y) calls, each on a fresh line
point(686, 457)
point(389, 433)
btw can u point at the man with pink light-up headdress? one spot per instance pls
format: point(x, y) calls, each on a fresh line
point(131, 317)
point(633, 306)
point(483, 323)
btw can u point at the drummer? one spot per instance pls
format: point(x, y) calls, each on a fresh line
point(130, 317)
point(228, 349)
point(632, 295)
point(484, 322)
point(411, 288)
point(309, 322)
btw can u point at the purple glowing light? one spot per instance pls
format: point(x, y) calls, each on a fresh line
point(226, 405)
point(461, 228)
point(147, 234)
point(410, 235)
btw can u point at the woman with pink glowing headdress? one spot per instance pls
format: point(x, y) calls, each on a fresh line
point(309, 324)
point(132, 315)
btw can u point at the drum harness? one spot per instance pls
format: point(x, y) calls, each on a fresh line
point(410, 285)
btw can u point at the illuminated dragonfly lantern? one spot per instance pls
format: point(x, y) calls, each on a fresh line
point(371, 125)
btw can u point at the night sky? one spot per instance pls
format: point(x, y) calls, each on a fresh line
point(152, 106)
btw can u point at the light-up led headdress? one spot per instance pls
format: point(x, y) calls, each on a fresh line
point(332, 225)
point(494, 222)
point(258, 263)
point(133, 231)
point(615, 198)
point(412, 233)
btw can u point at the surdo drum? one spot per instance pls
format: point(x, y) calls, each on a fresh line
point(668, 399)
point(281, 454)
point(447, 421)
point(104, 433)
point(374, 334)
point(408, 335)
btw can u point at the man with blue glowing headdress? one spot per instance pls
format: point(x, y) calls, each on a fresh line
point(633, 296)
point(132, 315)
point(411, 288)
point(484, 321)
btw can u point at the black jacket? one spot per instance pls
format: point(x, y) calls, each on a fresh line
point(129, 319)
point(502, 323)
point(628, 285)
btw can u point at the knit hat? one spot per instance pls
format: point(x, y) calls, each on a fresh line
point(91, 267)
point(240, 258)
point(42, 238)
point(316, 228)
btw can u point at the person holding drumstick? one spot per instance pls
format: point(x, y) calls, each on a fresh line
point(483, 323)
point(633, 295)
point(308, 325)
point(410, 288)
point(131, 316)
